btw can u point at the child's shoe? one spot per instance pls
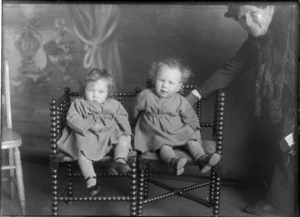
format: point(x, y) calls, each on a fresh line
point(206, 162)
point(178, 164)
point(62, 157)
point(118, 167)
point(93, 190)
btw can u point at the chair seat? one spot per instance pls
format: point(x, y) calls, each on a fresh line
point(209, 147)
point(62, 157)
point(10, 139)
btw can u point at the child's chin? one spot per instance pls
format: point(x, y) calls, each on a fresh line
point(97, 101)
point(164, 95)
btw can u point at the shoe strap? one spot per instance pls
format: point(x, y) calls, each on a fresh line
point(90, 177)
point(120, 158)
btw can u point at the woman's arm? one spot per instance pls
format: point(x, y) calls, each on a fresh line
point(232, 69)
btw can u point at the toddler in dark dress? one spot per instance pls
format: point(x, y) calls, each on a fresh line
point(166, 120)
point(96, 125)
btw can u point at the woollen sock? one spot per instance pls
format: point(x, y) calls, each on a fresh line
point(88, 172)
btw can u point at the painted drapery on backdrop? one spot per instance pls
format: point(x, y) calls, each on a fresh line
point(96, 26)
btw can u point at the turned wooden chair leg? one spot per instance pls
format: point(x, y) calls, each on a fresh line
point(20, 183)
point(212, 186)
point(70, 184)
point(133, 189)
point(146, 181)
point(216, 202)
point(141, 191)
point(12, 175)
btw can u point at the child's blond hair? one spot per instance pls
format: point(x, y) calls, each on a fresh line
point(186, 73)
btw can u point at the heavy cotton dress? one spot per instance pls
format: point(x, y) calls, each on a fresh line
point(163, 121)
point(82, 114)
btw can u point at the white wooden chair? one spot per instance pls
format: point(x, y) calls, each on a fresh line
point(10, 142)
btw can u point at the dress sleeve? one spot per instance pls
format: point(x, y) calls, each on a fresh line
point(231, 70)
point(122, 119)
point(139, 105)
point(188, 114)
point(76, 118)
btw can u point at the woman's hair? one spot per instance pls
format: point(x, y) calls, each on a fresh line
point(186, 73)
point(96, 74)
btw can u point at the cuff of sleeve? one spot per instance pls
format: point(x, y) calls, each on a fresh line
point(200, 92)
point(192, 98)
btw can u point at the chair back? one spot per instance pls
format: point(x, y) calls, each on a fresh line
point(5, 97)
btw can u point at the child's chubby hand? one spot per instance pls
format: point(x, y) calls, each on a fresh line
point(96, 127)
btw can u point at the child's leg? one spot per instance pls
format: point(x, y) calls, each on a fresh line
point(168, 156)
point(166, 153)
point(195, 149)
point(87, 170)
point(121, 151)
point(205, 162)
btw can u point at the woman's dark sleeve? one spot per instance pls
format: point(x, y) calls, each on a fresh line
point(232, 69)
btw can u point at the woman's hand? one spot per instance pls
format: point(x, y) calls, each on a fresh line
point(196, 93)
point(193, 96)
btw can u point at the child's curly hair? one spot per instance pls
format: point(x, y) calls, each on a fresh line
point(186, 73)
point(96, 74)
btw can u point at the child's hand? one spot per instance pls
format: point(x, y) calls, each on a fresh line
point(96, 127)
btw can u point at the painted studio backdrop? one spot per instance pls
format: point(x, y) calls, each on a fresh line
point(49, 46)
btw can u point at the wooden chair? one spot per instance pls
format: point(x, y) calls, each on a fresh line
point(58, 112)
point(10, 143)
point(214, 144)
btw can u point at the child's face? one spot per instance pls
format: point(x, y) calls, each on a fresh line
point(168, 82)
point(96, 91)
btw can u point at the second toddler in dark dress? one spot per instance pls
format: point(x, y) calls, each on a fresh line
point(166, 120)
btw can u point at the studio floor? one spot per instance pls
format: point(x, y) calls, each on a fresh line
point(38, 197)
point(31, 120)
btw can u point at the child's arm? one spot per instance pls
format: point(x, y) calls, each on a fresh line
point(139, 106)
point(136, 109)
point(76, 119)
point(122, 119)
point(188, 114)
point(135, 114)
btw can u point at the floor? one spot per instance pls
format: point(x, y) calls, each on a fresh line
point(31, 120)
